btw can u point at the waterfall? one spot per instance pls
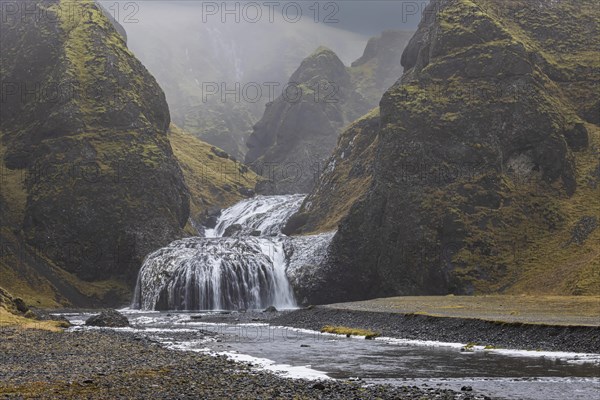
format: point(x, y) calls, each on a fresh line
point(264, 214)
point(246, 270)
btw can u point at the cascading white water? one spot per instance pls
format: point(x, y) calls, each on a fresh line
point(248, 271)
point(265, 214)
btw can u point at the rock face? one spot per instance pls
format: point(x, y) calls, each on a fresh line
point(345, 178)
point(92, 141)
point(481, 161)
point(290, 144)
point(108, 319)
point(380, 65)
point(299, 129)
point(89, 181)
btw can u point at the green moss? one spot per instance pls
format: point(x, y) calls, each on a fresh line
point(343, 330)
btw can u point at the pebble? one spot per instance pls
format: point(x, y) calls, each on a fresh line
point(130, 367)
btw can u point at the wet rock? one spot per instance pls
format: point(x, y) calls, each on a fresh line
point(108, 319)
point(211, 217)
point(270, 309)
point(246, 192)
point(232, 230)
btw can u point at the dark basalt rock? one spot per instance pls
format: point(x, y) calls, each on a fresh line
point(246, 192)
point(464, 140)
point(294, 137)
point(232, 230)
point(577, 137)
point(219, 153)
point(211, 216)
point(103, 187)
point(20, 304)
point(270, 309)
point(108, 319)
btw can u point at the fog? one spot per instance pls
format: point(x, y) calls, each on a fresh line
point(191, 45)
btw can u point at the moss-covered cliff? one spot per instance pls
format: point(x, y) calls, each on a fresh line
point(89, 181)
point(485, 171)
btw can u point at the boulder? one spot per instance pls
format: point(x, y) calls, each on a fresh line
point(108, 319)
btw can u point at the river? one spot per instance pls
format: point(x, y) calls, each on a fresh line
point(307, 354)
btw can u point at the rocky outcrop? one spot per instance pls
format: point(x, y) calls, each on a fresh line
point(292, 142)
point(91, 175)
point(299, 129)
point(380, 65)
point(481, 164)
point(92, 140)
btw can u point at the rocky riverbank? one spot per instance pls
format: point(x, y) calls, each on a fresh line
point(108, 364)
point(580, 339)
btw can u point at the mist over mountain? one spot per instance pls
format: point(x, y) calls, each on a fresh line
point(219, 69)
point(218, 76)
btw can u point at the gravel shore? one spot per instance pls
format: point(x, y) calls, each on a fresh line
point(580, 339)
point(107, 364)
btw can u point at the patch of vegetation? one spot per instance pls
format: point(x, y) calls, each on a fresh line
point(11, 314)
point(214, 182)
point(343, 330)
point(346, 177)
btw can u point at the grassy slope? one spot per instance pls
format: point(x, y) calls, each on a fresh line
point(10, 316)
point(213, 181)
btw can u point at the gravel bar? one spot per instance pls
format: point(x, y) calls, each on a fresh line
point(108, 364)
point(522, 336)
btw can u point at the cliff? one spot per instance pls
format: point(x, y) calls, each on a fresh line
point(485, 167)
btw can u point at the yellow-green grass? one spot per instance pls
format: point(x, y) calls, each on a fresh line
point(206, 174)
point(8, 319)
point(344, 330)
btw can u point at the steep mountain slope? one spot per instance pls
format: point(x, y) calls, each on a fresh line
point(346, 177)
point(485, 167)
point(215, 179)
point(290, 144)
point(380, 65)
point(300, 128)
point(89, 181)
